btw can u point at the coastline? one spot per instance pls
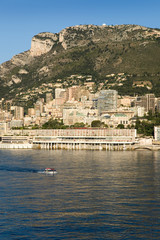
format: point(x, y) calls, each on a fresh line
point(135, 147)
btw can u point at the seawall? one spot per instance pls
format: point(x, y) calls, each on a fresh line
point(15, 146)
point(110, 147)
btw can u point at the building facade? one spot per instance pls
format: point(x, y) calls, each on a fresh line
point(107, 100)
point(147, 101)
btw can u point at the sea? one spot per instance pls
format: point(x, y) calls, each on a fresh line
point(93, 195)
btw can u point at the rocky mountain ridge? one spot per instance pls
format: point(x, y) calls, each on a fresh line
point(86, 49)
point(81, 35)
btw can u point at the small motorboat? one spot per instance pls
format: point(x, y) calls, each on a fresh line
point(50, 170)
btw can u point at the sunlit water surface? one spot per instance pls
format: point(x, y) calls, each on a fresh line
point(94, 195)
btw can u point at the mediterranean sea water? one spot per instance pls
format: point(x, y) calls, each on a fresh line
point(94, 195)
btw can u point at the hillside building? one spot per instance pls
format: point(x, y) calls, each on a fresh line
point(49, 97)
point(77, 115)
point(18, 113)
point(59, 92)
point(147, 101)
point(31, 112)
point(38, 106)
point(73, 93)
point(3, 128)
point(158, 105)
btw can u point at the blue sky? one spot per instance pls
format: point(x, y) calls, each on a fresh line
point(20, 20)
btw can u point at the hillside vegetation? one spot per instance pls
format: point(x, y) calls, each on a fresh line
point(125, 58)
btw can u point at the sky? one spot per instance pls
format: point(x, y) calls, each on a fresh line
point(20, 20)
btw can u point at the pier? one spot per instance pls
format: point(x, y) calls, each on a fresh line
point(72, 139)
point(87, 139)
point(80, 144)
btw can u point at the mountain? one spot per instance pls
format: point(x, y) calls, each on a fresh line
point(122, 57)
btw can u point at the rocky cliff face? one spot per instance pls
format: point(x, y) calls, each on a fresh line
point(42, 43)
point(81, 34)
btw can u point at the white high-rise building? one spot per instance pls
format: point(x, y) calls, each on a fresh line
point(107, 100)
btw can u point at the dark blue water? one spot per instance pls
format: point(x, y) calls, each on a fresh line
point(94, 195)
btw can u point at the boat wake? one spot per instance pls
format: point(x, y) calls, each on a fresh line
point(18, 169)
point(25, 170)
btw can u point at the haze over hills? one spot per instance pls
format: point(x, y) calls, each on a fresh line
point(121, 57)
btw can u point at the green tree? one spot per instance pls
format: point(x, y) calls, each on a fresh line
point(145, 128)
point(78, 125)
point(96, 123)
point(121, 126)
point(53, 124)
